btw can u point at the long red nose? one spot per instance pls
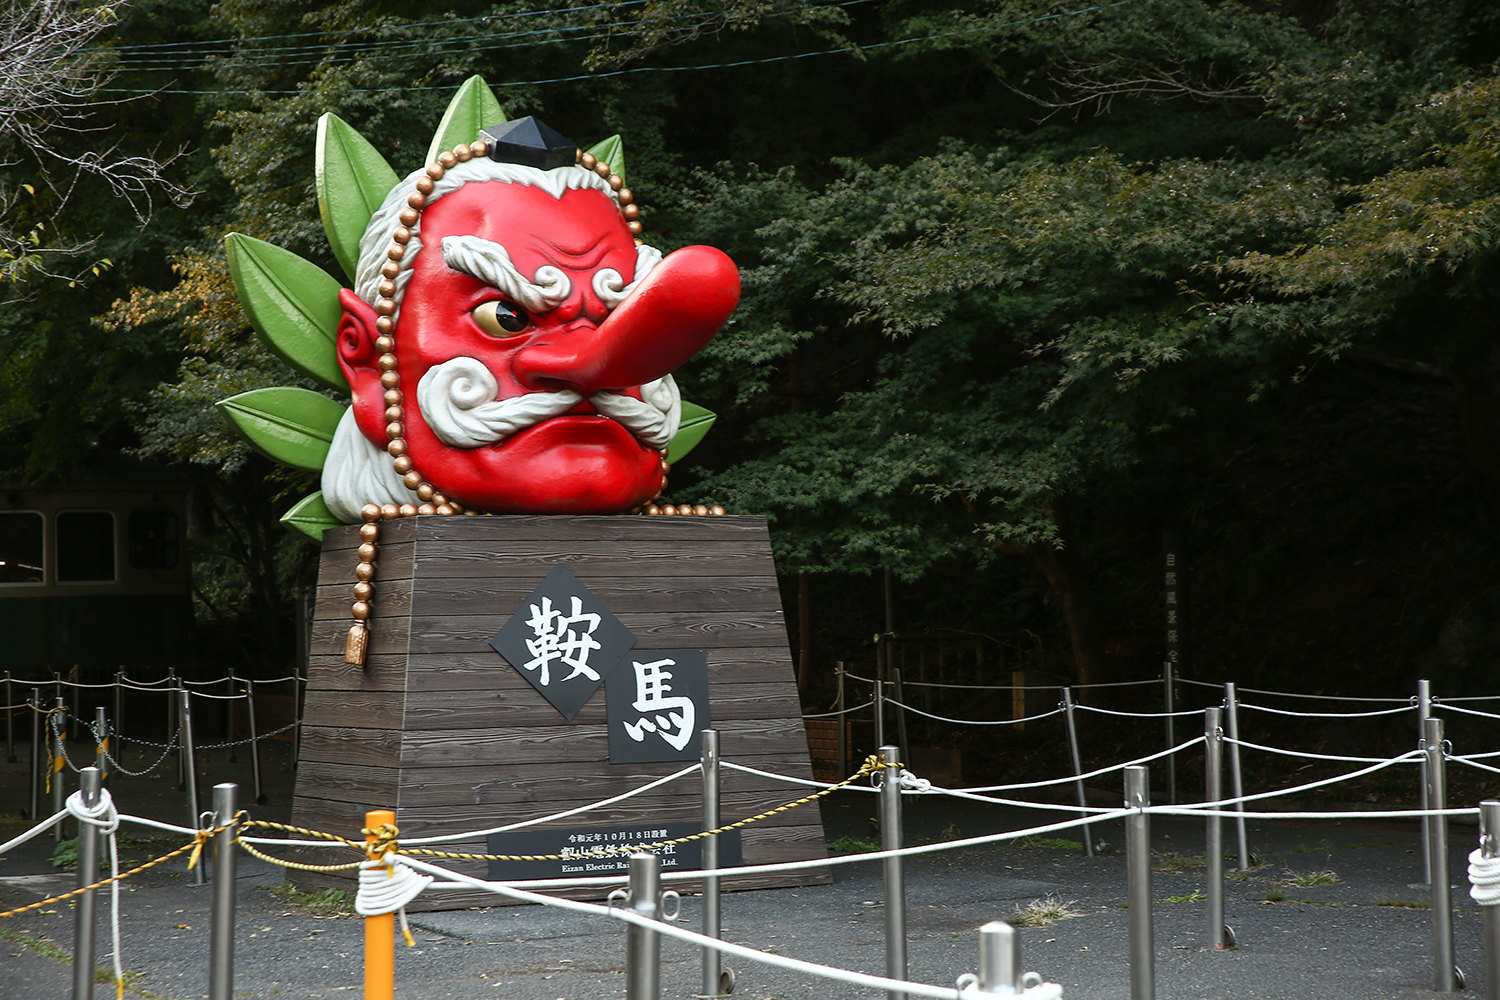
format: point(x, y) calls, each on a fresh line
point(669, 317)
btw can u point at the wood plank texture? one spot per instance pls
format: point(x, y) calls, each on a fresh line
point(439, 726)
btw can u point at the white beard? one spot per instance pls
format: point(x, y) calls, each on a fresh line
point(356, 473)
point(457, 401)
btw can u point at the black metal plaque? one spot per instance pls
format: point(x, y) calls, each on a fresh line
point(575, 861)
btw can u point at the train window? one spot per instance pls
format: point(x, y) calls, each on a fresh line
point(21, 548)
point(85, 546)
point(153, 539)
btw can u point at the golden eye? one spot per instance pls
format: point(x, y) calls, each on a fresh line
point(499, 318)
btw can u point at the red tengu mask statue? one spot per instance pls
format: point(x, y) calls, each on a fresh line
point(510, 341)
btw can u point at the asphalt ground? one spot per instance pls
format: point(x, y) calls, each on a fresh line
point(1367, 935)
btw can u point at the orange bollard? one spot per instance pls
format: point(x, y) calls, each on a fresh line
point(380, 932)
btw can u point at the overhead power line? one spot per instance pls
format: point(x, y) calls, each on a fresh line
point(631, 71)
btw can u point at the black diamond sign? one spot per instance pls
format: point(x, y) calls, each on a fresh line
point(658, 706)
point(563, 641)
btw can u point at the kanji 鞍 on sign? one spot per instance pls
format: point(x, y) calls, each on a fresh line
point(563, 641)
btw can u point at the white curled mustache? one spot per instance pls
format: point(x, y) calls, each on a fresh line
point(457, 400)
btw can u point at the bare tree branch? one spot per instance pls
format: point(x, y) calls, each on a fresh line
point(51, 77)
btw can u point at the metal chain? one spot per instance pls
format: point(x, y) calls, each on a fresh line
point(249, 739)
point(122, 769)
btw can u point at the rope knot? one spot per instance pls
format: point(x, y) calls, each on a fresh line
point(1484, 879)
point(385, 839)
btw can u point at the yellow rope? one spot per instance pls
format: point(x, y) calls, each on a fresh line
point(299, 866)
point(872, 763)
point(199, 839)
point(385, 835)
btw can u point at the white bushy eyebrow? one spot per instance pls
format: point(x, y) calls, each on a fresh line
point(490, 263)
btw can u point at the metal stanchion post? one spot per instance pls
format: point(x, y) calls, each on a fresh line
point(117, 748)
point(260, 795)
point(221, 916)
point(233, 689)
point(75, 703)
point(1236, 776)
point(1072, 728)
point(643, 944)
point(101, 741)
point(1444, 975)
point(1169, 682)
point(879, 712)
point(1000, 958)
point(1213, 761)
point(1424, 712)
point(380, 930)
point(895, 882)
point(843, 767)
point(36, 753)
point(714, 976)
point(297, 715)
point(10, 722)
point(57, 727)
point(1489, 848)
point(90, 784)
point(1138, 884)
point(190, 764)
point(901, 740)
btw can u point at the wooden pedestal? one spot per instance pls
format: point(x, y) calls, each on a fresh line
point(440, 728)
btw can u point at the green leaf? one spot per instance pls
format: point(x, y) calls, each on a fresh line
point(292, 303)
point(474, 107)
point(311, 516)
point(611, 151)
point(293, 426)
point(695, 423)
point(352, 180)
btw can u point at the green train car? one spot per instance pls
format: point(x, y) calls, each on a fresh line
point(94, 576)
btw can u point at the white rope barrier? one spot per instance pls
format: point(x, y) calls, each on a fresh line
point(1292, 694)
point(1307, 755)
point(219, 697)
point(1015, 786)
point(1476, 764)
point(1091, 774)
point(603, 803)
point(1015, 803)
point(966, 687)
point(971, 722)
point(37, 830)
point(169, 827)
point(840, 711)
point(807, 782)
point(843, 859)
point(1331, 715)
point(1466, 711)
point(683, 934)
point(473, 835)
point(1139, 715)
point(1472, 813)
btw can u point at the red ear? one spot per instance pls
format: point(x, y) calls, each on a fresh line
point(357, 359)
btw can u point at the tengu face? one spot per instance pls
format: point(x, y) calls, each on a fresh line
point(518, 299)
